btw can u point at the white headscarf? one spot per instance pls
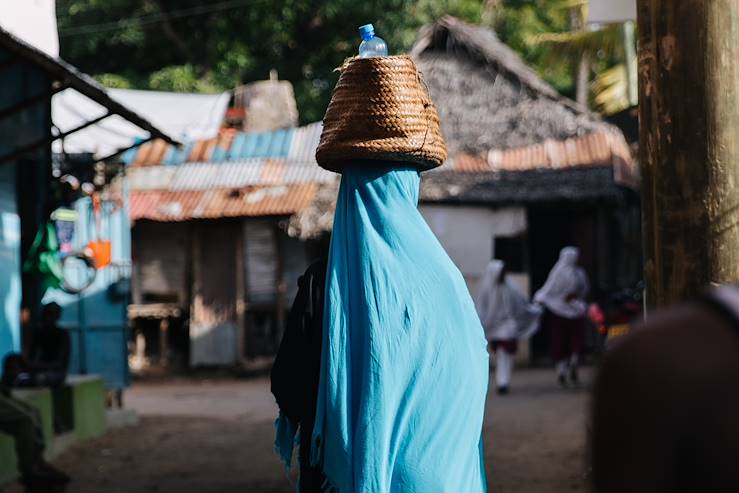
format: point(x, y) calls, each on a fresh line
point(566, 280)
point(504, 312)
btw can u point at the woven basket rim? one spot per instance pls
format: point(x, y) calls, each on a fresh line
point(402, 125)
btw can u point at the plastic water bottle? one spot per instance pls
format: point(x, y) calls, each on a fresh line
point(371, 45)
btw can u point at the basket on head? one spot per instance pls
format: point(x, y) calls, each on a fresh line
point(381, 111)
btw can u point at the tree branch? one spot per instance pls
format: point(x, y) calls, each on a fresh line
point(169, 31)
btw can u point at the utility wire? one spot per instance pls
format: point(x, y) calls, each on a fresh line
point(152, 18)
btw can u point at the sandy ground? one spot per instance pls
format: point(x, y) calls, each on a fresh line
point(216, 436)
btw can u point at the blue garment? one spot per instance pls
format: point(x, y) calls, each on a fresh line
point(404, 369)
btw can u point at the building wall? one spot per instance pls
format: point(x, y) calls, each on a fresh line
point(96, 318)
point(273, 262)
point(214, 324)
point(468, 235)
point(240, 277)
point(161, 254)
point(19, 81)
point(10, 280)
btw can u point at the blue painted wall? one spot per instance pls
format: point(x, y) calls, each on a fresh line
point(97, 318)
point(18, 81)
point(10, 278)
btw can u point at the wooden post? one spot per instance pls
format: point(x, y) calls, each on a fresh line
point(240, 266)
point(164, 341)
point(280, 289)
point(140, 350)
point(689, 114)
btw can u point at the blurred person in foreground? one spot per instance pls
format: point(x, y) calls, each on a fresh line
point(563, 297)
point(665, 403)
point(506, 316)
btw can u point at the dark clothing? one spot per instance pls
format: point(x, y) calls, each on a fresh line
point(50, 349)
point(47, 363)
point(510, 346)
point(665, 406)
point(22, 422)
point(568, 336)
point(297, 367)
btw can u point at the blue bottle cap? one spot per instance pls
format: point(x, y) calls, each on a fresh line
point(367, 31)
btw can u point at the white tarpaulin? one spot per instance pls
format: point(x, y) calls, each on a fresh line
point(609, 11)
point(31, 27)
point(33, 21)
point(183, 116)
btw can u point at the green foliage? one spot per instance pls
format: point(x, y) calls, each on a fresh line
point(517, 22)
point(212, 45)
point(180, 78)
point(603, 47)
point(196, 45)
point(114, 81)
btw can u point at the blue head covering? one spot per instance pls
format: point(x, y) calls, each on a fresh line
point(404, 364)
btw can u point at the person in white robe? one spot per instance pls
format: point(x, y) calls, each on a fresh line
point(564, 298)
point(506, 316)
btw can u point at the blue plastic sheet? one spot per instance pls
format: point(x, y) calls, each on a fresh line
point(404, 362)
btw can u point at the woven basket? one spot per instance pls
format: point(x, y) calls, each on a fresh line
point(381, 111)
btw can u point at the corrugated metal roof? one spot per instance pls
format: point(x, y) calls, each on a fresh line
point(237, 174)
point(595, 149)
point(304, 142)
point(173, 206)
point(299, 145)
point(284, 178)
point(150, 177)
point(292, 143)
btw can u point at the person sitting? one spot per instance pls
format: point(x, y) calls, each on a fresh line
point(48, 355)
point(22, 422)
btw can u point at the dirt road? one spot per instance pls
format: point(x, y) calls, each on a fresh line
point(216, 436)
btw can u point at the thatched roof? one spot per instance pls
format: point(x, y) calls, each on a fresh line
point(487, 97)
point(578, 185)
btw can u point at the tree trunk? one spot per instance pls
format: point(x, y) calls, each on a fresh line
point(582, 81)
point(689, 114)
point(582, 70)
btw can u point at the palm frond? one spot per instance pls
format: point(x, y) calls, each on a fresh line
point(606, 42)
point(611, 90)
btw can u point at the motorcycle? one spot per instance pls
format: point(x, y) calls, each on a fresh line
point(615, 316)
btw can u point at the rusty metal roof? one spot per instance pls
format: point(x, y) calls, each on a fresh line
point(595, 149)
point(253, 187)
point(226, 155)
point(242, 175)
point(295, 144)
point(237, 174)
point(174, 206)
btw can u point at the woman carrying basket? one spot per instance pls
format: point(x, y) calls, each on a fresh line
point(404, 366)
